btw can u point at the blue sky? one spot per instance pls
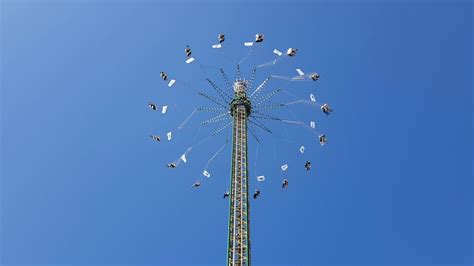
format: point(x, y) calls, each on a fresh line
point(81, 182)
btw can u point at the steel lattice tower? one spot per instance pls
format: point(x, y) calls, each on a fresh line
point(238, 249)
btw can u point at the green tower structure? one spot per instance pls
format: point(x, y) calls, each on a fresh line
point(238, 248)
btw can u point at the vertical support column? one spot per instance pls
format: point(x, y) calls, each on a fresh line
point(238, 243)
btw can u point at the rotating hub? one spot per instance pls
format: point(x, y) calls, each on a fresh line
point(240, 97)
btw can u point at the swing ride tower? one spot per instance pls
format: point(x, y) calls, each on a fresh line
point(242, 105)
point(238, 247)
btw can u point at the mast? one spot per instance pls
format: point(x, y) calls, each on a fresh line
point(238, 248)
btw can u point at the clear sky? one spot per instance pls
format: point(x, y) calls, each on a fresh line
point(83, 184)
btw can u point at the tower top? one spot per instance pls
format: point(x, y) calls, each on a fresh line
point(240, 97)
point(240, 86)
